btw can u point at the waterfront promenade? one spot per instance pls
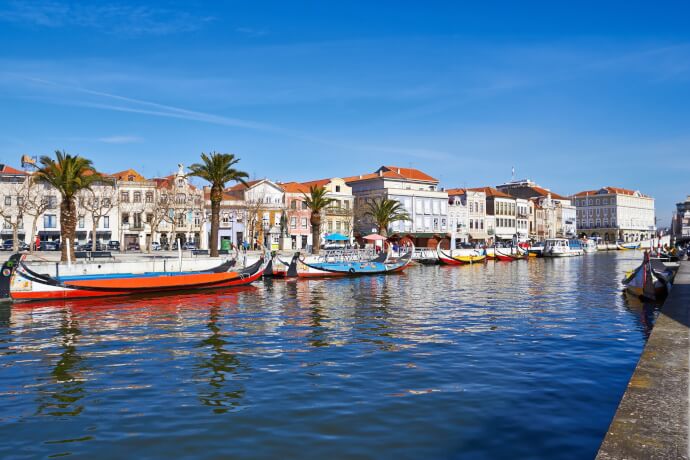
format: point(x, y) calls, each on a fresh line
point(652, 418)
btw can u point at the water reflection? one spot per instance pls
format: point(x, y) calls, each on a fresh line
point(476, 351)
point(220, 369)
point(63, 398)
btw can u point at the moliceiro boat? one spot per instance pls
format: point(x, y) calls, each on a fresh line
point(21, 281)
point(561, 247)
point(461, 257)
point(651, 280)
point(384, 263)
point(626, 246)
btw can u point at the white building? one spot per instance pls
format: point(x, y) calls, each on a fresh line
point(416, 191)
point(681, 220)
point(615, 214)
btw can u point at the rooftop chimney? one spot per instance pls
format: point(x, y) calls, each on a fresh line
point(380, 172)
point(398, 170)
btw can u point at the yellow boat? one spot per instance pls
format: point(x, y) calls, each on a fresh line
point(470, 259)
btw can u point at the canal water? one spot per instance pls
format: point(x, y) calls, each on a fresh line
point(505, 360)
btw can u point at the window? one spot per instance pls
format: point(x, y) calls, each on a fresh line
point(20, 200)
point(330, 226)
point(149, 217)
point(435, 222)
point(137, 197)
point(337, 189)
point(419, 206)
point(181, 198)
point(337, 226)
point(125, 218)
point(347, 204)
point(293, 221)
point(124, 197)
point(180, 220)
point(481, 224)
point(197, 219)
point(149, 197)
point(293, 204)
point(8, 200)
point(304, 222)
point(81, 221)
point(106, 221)
point(49, 221)
point(304, 205)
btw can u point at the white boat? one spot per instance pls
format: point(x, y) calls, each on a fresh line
point(561, 247)
point(589, 246)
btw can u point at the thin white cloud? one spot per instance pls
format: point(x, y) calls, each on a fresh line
point(120, 139)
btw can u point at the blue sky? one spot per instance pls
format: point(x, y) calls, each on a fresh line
point(573, 96)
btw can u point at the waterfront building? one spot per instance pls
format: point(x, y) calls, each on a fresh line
point(336, 218)
point(264, 206)
point(415, 190)
point(231, 231)
point(504, 209)
point(614, 213)
point(458, 216)
point(467, 215)
point(140, 210)
point(558, 211)
point(680, 226)
point(13, 188)
point(186, 216)
point(298, 215)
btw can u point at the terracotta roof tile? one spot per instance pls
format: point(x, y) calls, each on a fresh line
point(4, 169)
point(456, 191)
point(490, 191)
point(394, 172)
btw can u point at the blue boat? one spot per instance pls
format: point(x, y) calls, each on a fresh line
point(382, 264)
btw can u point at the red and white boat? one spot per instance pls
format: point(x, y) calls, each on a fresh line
point(21, 281)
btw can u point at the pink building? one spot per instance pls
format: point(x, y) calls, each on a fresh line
point(297, 214)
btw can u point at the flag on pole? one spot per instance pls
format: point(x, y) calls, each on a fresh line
point(513, 172)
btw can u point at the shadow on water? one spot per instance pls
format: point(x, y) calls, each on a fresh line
point(67, 374)
point(220, 368)
point(646, 311)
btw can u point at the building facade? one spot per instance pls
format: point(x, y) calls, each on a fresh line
point(504, 211)
point(559, 214)
point(264, 207)
point(615, 214)
point(231, 230)
point(418, 194)
point(680, 226)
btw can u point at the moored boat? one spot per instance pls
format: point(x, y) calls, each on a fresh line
point(589, 246)
point(464, 257)
point(536, 250)
point(561, 247)
point(651, 280)
point(23, 281)
point(384, 263)
point(627, 246)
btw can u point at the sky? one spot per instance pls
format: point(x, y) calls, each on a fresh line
point(573, 95)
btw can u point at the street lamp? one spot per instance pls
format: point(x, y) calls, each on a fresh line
point(266, 226)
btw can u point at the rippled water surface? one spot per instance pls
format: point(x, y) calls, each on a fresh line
point(506, 360)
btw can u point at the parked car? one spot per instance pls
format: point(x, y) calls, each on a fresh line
point(89, 247)
point(133, 247)
point(50, 246)
point(189, 245)
point(113, 245)
point(8, 245)
point(155, 245)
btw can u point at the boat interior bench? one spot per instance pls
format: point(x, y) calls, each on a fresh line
point(93, 254)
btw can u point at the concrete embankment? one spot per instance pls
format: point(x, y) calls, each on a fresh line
point(652, 418)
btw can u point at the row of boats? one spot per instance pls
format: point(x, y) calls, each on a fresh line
point(23, 280)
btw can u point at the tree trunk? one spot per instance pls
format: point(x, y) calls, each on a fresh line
point(315, 232)
point(95, 218)
point(15, 236)
point(383, 229)
point(32, 245)
point(68, 227)
point(216, 197)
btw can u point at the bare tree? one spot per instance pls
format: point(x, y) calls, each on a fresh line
point(13, 214)
point(253, 210)
point(98, 202)
point(36, 203)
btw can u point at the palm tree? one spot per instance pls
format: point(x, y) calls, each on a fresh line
point(384, 212)
point(217, 169)
point(69, 175)
point(316, 202)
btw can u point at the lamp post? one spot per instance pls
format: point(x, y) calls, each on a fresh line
point(265, 226)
